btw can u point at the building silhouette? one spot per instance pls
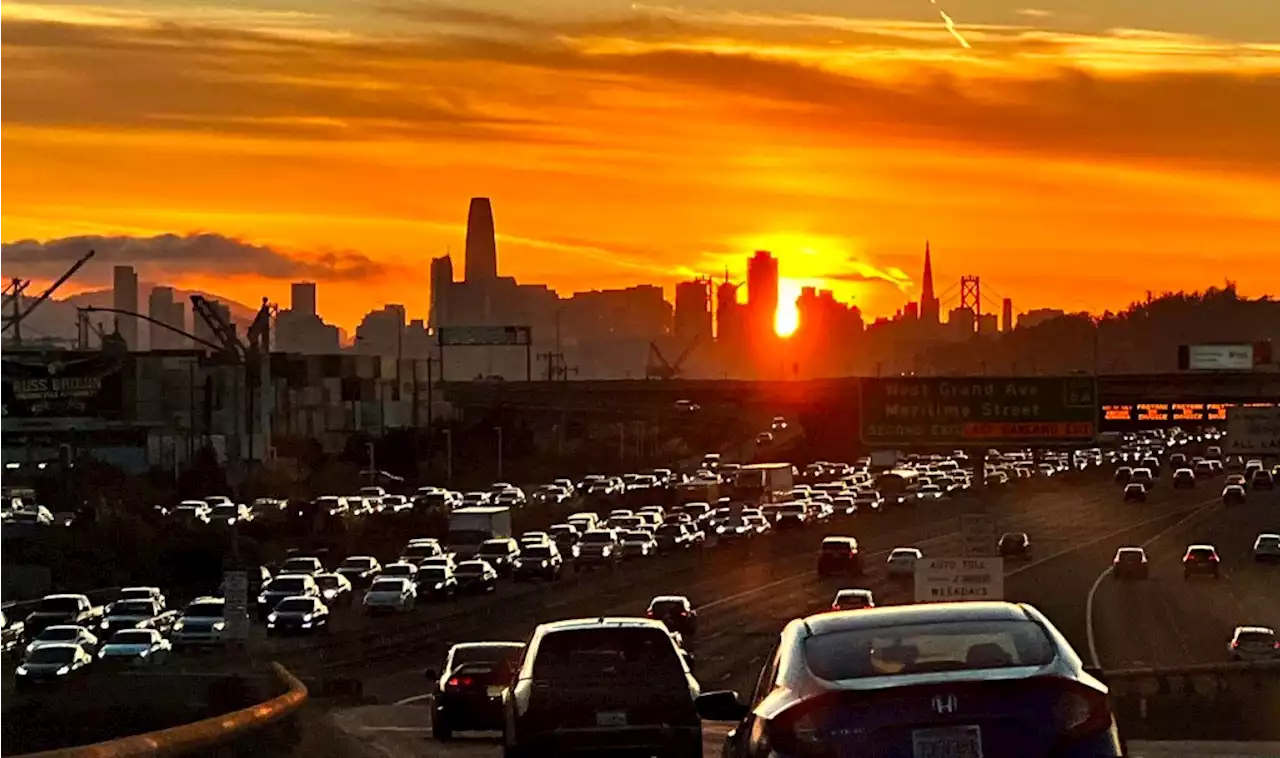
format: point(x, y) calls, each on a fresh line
point(930, 307)
point(124, 295)
point(762, 294)
point(481, 259)
point(441, 287)
point(302, 298)
point(300, 328)
point(1007, 314)
point(162, 307)
point(693, 311)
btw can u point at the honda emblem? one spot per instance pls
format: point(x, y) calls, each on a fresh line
point(945, 704)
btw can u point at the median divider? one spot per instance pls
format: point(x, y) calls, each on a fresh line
point(263, 729)
point(1221, 701)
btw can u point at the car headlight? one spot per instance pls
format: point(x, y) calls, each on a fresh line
point(307, 618)
point(22, 671)
point(439, 585)
point(64, 670)
point(262, 598)
point(219, 626)
point(330, 594)
point(105, 624)
point(271, 619)
point(178, 626)
point(32, 646)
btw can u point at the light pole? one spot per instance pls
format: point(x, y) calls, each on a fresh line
point(448, 455)
point(498, 429)
point(373, 462)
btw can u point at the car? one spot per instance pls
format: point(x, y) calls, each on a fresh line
point(303, 614)
point(334, 588)
point(436, 583)
point(1014, 545)
point(533, 538)
point(764, 438)
point(539, 561)
point(839, 555)
point(1234, 494)
point(1123, 474)
point(853, 600)
point(1200, 559)
point(128, 614)
point(136, 647)
point(143, 593)
point(935, 679)
point(778, 424)
point(1135, 492)
point(1130, 563)
point(676, 613)
point(632, 673)
point(52, 664)
point(420, 549)
point(674, 536)
point(501, 554)
point(902, 561)
point(202, 622)
point(1235, 479)
point(598, 547)
point(390, 594)
point(15, 632)
point(59, 634)
point(359, 569)
point(637, 543)
point(476, 577)
point(469, 687)
point(302, 565)
point(401, 569)
point(870, 500)
point(1254, 643)
point(1262, 479)
point(1266, 548)
point(1184, 478)
point(283, 586)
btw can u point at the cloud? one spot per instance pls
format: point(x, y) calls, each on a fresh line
point(172, 257)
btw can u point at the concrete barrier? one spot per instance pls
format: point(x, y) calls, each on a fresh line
point(1227, 701)
point(261, 729)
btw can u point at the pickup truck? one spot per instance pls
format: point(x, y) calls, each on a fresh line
point(76, 610)
point(12, 634)
point(137, 614)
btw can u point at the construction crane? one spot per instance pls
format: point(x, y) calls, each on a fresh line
point(659, 367)
point(15, 321)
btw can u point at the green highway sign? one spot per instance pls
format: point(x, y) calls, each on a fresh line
point(906, 411)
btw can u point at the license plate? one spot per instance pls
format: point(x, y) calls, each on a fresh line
point(611, 718)
point(947, 742)
point(495, 690)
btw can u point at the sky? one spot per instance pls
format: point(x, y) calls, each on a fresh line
point(1073, 153)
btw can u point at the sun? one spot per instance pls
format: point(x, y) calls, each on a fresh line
point(786, 319)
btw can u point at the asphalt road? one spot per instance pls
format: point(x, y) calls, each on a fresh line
point(745, 600)
point(1171, 621)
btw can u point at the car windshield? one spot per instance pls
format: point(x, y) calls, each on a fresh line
point(328, 581)
point(291, 584)
point(225, 509)
point(926, 648)
point(1130, 556)
point(132, 608)
point(296, 605)
point(597, 538)
point(59, 634)
point(538, 551)
point(359, 564)
point(132, 637)
point(399, 569)
point(298, 566)
point(494, 548)
point(604, 653)
point(470, 568)
point(434, 573)
point(1256, 638)
point(59, 605)
point(1200, 553)
point(386, 585)
point(51, 655)
point(667, 607)
point(204, 610)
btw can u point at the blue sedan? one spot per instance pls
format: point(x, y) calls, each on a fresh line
point(944, 680)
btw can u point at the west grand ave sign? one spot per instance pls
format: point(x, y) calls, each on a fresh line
point(905, 411)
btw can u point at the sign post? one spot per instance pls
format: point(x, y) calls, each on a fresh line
point(914, 411)
point(978, 535)
point(947, 580)
point(1253, 431)
point(235, 590)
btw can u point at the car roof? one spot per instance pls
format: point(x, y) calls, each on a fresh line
point(1202, 546)
point(602, 622)
point(669, 599)
point(63, 626)
point(1258, 629)
point(854, 593)
point(57, 645)
point(480, 645)
point(1132, 549)
point(924, 613)
point(836, 539)
point(1269, 535)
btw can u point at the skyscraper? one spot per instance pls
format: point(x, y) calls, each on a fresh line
point(930, 308)
point(441, 288)
point(762, 293)
point(302, 298)
point(163, 308)
point(481, 263)
point(693, 310)
point(124, 296)
point(1007, 312)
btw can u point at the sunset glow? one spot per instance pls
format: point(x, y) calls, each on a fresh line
point(787, 319)
point(1075, 157)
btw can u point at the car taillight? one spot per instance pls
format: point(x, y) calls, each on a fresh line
point(835, 606)
point(649, 614)
point(459, 681)
point(1213, 559)
point(1080, 711)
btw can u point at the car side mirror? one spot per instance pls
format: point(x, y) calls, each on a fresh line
point(431, 674)
point(721, 705)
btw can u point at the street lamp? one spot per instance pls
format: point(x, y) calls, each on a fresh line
point(448, 455)
point(498, 429)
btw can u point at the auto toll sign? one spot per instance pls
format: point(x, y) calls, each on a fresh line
point(913, 411)
point(948, 580)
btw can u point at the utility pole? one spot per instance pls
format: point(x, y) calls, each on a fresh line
point(498, 429)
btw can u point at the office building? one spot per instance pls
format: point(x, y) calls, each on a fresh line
point(302, 298)
point(441, 291)
point(162, 307)
point(762, 294)
point(124, 296)
point(693, 310)
point(988, 324)
point(481, 262)
point(382, 331)
point(730, 317)
point(930, 307)
point(962, 322)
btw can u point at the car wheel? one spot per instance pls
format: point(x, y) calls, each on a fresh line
point(440, 730)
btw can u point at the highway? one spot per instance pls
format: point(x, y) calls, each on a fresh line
point(1171, 621)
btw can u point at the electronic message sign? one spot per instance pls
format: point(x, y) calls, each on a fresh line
point(954, 412)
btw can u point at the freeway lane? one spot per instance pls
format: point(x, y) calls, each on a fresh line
point(760, 595)
point(1171, 621)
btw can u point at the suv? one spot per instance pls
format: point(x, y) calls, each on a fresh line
point(630, 670)
point(469, 688)
point(501, 554)
point(598, 547)
point(1015, 545)
point(1200, 559)
point(1130, 562)
point(677, 613)
point(839, 555)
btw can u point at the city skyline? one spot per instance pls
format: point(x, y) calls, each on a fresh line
point(1076, 154)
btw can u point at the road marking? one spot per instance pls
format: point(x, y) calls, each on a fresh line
point(414, 699)
point(1205, 506)
point(395, 728)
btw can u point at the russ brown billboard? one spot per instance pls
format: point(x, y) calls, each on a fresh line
point(63, 385)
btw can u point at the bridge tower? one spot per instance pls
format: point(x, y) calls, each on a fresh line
point(971, 296)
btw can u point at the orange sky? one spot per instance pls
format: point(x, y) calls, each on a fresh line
point(1071, 162)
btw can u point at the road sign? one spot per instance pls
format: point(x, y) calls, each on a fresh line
point(945, 580)
point(483, 335)
point(915, 411)
point(978, 535)
point(235, 590)
point(1253, 431)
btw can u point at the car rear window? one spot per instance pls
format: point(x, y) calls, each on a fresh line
point(625, 654)
point(59, 605)
point(839, 548)
point(1256, 638)
point(1130, 556)
point(132, 637)
point(1200, 553)
point(537, 551)
point(927, 648)
point(47, 655)
point(386, 585)
point(132, 608)
point(487, 654)
point(288, 584)
point(667, 606)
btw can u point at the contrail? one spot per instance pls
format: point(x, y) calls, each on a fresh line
point(951, 27)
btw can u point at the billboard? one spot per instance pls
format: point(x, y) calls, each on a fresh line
point(63, 385)
point(942, 411)
point(1223, 357)
point(1253, 431)
point(483, 335)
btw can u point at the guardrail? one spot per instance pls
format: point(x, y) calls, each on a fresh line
point(1221, 701)
point(23, 607)
point(243, 732)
